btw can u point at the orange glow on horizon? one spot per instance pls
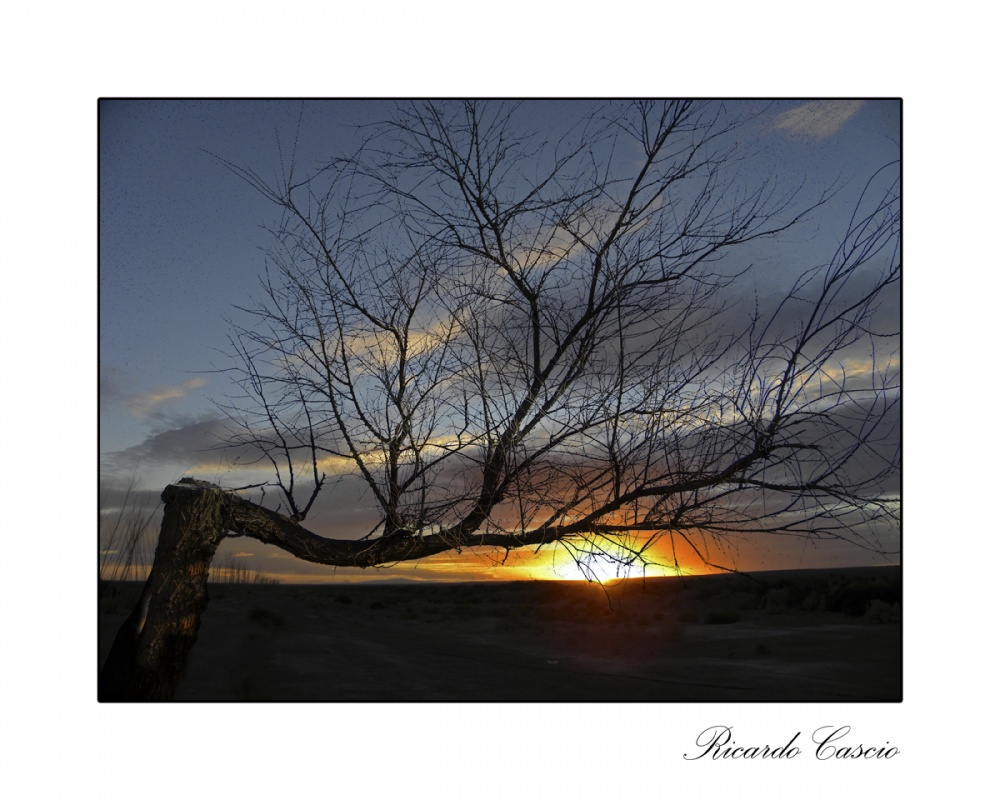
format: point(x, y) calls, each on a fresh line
point(554, 562)
point(561, 564)
point(557, 562)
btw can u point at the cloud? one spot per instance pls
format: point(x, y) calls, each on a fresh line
point(142, 405)
point(185, 444)
point(817, 119)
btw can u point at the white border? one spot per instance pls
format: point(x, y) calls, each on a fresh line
point(59, 63)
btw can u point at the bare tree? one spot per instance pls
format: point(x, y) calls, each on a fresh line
point(515, 338)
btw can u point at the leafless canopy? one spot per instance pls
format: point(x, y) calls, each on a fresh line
point(515, 337)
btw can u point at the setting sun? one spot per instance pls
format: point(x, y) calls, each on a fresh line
point(596, 568)
point(561, 564)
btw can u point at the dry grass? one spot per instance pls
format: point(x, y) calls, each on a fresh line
point(230, 569)
point(126, 535)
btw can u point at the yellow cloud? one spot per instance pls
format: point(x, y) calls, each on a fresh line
point(141, 405)
point(817, 119)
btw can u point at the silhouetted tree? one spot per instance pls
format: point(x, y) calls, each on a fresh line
point(517, 337)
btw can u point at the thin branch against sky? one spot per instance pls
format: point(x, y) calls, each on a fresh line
point(219, 250)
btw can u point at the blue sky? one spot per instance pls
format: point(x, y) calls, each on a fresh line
point(181, 239)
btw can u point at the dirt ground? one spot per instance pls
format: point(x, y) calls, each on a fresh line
point(705, 639)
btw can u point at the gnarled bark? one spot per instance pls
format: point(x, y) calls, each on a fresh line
point(150, 652)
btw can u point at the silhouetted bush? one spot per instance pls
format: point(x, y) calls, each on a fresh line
point(264, 616)
point(880, 611)
point(853, 597)
point(840, 593)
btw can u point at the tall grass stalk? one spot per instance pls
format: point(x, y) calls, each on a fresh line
point(125, 535)
point(230, 569)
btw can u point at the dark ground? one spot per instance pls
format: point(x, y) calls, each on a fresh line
point(808, 636)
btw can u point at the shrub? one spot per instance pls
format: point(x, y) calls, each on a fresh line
point(264, 616)
point(881, 611)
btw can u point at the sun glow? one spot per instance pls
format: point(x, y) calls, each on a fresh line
point(596, 568)
point(562, 564)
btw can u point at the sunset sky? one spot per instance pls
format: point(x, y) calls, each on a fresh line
point(181, 243)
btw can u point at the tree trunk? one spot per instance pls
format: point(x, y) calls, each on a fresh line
point(149, 653)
